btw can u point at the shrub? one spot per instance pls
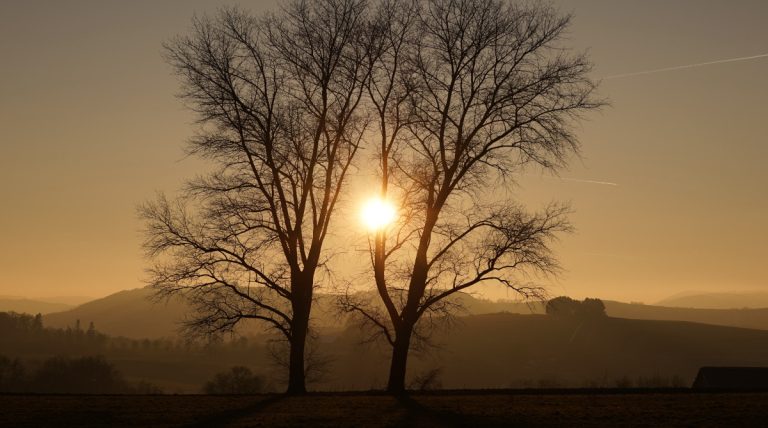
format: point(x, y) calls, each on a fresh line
point(237, 380)
point(428, 380)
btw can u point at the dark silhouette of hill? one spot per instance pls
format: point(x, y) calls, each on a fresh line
point(133, 314)
point(513, 350)
point(30, 306)
point(735, 300)
point(478, 351)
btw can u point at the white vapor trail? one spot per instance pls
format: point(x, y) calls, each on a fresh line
point(580, 180)
point(682, 67)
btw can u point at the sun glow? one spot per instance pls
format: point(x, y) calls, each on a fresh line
point(377, 214)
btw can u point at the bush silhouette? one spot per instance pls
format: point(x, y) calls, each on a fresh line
point(237, 380)
point(429, 380)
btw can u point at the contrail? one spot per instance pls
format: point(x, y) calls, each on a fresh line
point(682, 67)
point(576, 180)
point(579, 180)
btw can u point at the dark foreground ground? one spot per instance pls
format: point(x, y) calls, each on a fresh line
point(475, 409)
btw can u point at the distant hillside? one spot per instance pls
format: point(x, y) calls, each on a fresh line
point(10, 304)
point(512, 350)
point(478, 351)
point(68, 300)
point(128, 313)
point(717, 300)
point(745, 318)
point(132, 314)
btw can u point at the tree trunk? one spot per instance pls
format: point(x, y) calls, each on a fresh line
point(296, 376)
point(398, 366)
point(301, 304)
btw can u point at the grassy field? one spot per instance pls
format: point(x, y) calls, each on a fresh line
point(476, 409)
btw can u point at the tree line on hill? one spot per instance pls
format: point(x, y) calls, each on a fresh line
point(88, 373)
point(72, 360)
point(25, 334)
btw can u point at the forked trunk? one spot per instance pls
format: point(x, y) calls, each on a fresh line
point(404, 327)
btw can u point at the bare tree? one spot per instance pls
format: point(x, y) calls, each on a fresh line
point(277, 99)
point(468, 92)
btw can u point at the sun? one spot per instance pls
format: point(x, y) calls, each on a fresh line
point(377, 213)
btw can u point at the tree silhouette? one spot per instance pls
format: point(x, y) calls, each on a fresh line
point(565, 307)
point(277, 98)
point(12, 375)
point(562, 306)
point(467, 93)
point(38, 323)
point(593, 308)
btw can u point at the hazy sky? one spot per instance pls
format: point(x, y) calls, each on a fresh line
point(89, 128)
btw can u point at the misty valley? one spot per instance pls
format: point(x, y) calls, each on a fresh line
point(126, 343)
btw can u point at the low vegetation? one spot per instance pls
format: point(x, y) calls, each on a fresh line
point(121, 364)
point(62, 375)
point(237, 380)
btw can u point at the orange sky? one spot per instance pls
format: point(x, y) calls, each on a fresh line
point(89, 128)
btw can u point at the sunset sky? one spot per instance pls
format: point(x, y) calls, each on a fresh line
point(669, 195)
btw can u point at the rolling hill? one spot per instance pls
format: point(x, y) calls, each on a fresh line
point(30, 306)
point(512, 350)
point(132, 314)
point(128, 313)
point(745, 318)
point(491, 345)
point(734, 300)
point(499, 350)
